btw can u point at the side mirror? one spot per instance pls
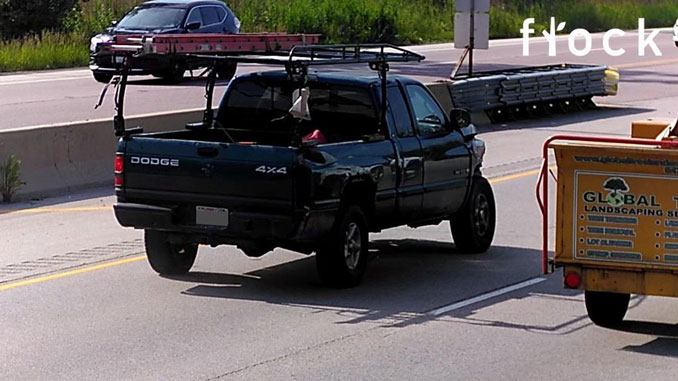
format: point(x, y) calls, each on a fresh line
point(114, 22)
point(469, 132)
point(460, 118)
point(193, 25)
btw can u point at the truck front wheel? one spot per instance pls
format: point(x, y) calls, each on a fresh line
point(227, 71)
point(342, 258)
point(473, 226)
point(168, 258)
point(102, 77)
point(606, 309)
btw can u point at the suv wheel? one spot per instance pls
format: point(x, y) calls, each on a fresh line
point(168, 258)
point(342, 259)
point(173, 74)
point(102, 77)
point(473, 226)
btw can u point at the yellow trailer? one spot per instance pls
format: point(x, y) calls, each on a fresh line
point(616, 216)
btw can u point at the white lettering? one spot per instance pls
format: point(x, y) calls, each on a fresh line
point(606, 42)
point(551, 36)
point(572, 39)
point(644, 42)
point(526, 31)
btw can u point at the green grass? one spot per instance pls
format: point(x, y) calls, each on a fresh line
point(340, 21)
point(47, 51)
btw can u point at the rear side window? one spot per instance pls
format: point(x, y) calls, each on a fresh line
point(221, 12)
point(209, 15)
point(341, 113)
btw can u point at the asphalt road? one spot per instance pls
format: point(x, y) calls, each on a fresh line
point(78, 301)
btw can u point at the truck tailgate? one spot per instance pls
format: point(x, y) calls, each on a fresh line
point(192, 172)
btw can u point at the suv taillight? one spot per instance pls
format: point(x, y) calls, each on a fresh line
point(119, 168)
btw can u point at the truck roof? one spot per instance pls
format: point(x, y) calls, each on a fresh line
point(353, 78)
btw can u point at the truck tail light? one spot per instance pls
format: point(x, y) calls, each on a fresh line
point(572, 280)
point(119, 169)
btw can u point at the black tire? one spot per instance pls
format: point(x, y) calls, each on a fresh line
point(174, 73)
point(606, 309)
point(227, 71)
point(342, 259)
point(473, 226)
point(167, 258)
point(102, 77)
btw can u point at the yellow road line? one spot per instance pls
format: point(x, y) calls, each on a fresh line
point(645, 64)
point(518, 175)
point(83, 270)
point(9, 286)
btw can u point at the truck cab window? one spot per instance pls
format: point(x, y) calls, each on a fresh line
point(430, 118)
point(400, 115)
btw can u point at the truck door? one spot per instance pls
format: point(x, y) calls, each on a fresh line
point(446, 158)
point(410, 167)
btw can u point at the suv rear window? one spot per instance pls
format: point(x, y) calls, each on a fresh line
point(341, 113)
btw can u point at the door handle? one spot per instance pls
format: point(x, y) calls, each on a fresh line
point(208, 151)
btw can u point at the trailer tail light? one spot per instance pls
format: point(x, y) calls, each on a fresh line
point(572, 280)
point(119, 169)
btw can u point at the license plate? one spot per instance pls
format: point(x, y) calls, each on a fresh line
point(118, 59)
point(205, 215)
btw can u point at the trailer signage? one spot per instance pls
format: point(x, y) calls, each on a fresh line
point(624, 217)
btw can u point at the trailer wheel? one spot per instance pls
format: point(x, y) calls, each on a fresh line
point(168, 258)
point(102, 77)
point(342, 259)
point(227, 71)
point(606, 309)
point(473, 226)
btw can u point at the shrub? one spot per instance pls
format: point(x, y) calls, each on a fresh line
point(10, 178)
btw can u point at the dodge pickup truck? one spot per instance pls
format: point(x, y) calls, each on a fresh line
point(310, 165)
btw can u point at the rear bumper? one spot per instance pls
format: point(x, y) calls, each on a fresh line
point(298, 227)
point(104, 64)
point(626, 280)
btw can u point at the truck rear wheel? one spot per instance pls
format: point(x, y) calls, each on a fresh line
point(342, 259)
point(606, 309)
point(168, 258)
point(473, 226)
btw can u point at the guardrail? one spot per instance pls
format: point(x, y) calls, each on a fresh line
point(533, 91)
point(63, 158)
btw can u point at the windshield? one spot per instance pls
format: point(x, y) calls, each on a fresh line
point(153, 17)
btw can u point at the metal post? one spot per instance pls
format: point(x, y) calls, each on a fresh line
point(384, 102)
point(119, 118)
point(472, 39)
point(208, 115)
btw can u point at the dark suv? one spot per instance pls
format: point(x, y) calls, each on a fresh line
point(163, 17)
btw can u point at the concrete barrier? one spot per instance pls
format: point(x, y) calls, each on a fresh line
point(63, 158)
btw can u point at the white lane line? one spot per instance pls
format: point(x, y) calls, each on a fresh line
point(490, 295)
point(23, 82)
